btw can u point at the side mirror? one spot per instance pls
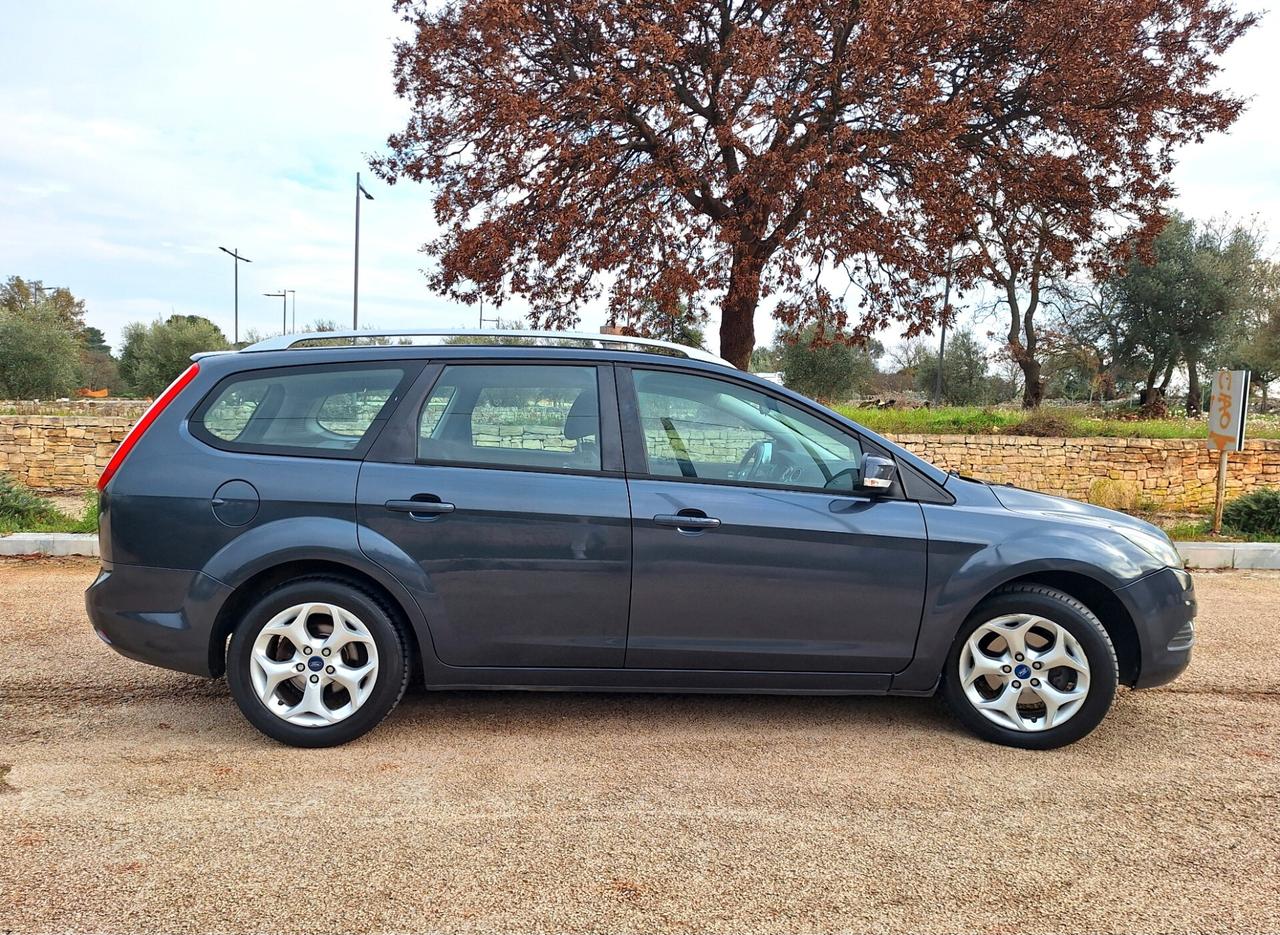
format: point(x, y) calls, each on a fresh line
point(877, 473)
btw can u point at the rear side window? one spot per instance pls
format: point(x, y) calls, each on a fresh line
point(302, 410)
point(536, 416)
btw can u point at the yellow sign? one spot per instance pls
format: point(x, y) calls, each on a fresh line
point(1228, 407)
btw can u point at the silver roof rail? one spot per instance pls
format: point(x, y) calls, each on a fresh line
point(283, 342)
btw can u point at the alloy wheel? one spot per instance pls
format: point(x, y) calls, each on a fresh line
point(314, 664)
point(1024, 672)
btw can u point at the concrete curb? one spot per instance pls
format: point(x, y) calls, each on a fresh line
point(1205, 555)
point(1230, 554)
point(49, 543)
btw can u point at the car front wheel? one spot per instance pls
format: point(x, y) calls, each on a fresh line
point(317, 662)
point(1032, 667)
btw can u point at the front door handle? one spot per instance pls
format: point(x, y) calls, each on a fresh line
point(420, 507)
point(690, 521)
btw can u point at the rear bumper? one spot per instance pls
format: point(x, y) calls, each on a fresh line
point(1163, 608)
point(161, 616)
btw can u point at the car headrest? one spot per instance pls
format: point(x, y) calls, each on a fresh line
point(584, 415)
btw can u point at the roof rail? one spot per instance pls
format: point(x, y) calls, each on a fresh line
point(284, 342)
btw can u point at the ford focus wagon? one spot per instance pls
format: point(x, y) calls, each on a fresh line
point(326, 518)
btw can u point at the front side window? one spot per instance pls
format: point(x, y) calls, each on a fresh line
point(302, 409)
point(702, 428)
point(537, 416)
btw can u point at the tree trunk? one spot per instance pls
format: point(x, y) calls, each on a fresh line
point(1168, 377)
point(1023, 338)
point(1194, 396)
point(738, 314)
point(1032, 384)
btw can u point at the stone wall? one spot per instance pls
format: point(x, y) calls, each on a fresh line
point(58, 452)
point(51, 452)
point(1169, 474)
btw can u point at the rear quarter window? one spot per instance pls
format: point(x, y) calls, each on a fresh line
point(330, 410)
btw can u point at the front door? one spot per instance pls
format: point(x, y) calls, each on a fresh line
point(512, 514)
point(752, 551)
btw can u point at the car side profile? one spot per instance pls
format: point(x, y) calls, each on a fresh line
point(324, 520)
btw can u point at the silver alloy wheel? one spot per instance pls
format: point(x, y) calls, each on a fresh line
point(314, 664)
point(1024, 672)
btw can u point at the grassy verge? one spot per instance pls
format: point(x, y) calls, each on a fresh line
point(24, 511)
point(975, 420)
point(1197, 530)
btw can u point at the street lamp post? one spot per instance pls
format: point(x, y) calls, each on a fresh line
point(293, 316)
point(355, 285)
point(235, 255)
point(283, 296)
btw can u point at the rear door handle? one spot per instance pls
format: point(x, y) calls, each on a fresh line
point(420, 507)
point(692, 522)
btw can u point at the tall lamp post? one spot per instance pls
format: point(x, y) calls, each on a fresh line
point(293, 316)
point(283, 296)
point(355, 285)
point(235, 255)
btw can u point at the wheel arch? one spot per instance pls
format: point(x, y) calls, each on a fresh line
point(264, 579)
point(1103, 603)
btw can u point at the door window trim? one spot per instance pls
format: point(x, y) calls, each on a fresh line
point(635, 451)
point(399, 443)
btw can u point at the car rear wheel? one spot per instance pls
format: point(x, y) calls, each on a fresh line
point(317, 662)
point(1032, 667)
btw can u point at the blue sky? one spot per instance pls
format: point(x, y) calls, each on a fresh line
point(141, 136)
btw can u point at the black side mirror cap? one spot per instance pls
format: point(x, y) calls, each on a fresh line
point(877, 473)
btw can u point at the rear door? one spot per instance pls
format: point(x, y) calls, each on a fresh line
point(752, 552)
point(513, 504)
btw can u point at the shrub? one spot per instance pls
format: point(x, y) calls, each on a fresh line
point(1256, 513)
point(1114, 494)
point(38, 354)
point(831, 371)
point(19, 507)
point(154, 354)
point(88, 522)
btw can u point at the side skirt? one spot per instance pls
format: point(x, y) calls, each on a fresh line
point(444, 678)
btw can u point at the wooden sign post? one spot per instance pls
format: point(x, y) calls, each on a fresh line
point(1228, 408)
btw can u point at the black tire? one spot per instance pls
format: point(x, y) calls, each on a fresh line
point(1081, 623)
point(393, 660)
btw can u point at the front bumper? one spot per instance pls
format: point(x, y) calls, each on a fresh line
point(1163, 608)
point(161, 616)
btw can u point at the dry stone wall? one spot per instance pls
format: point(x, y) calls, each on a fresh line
point(59, 452)
point(1164, 473)
point(50, 452)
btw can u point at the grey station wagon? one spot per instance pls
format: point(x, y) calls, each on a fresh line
point(325, 518)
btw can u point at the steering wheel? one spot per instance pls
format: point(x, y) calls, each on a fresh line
point(756, 460)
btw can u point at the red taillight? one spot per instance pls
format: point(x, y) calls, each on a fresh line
point(152, 413)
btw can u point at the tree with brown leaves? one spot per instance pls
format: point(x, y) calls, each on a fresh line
point(819, 156)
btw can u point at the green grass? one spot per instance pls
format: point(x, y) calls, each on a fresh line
point(975, 420)
point(48, 518)
point(949, 420)
point(1197, 530)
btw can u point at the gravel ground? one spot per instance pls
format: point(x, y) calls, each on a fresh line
point(137, 799)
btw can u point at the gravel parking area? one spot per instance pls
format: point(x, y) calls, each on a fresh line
point(136, 799)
